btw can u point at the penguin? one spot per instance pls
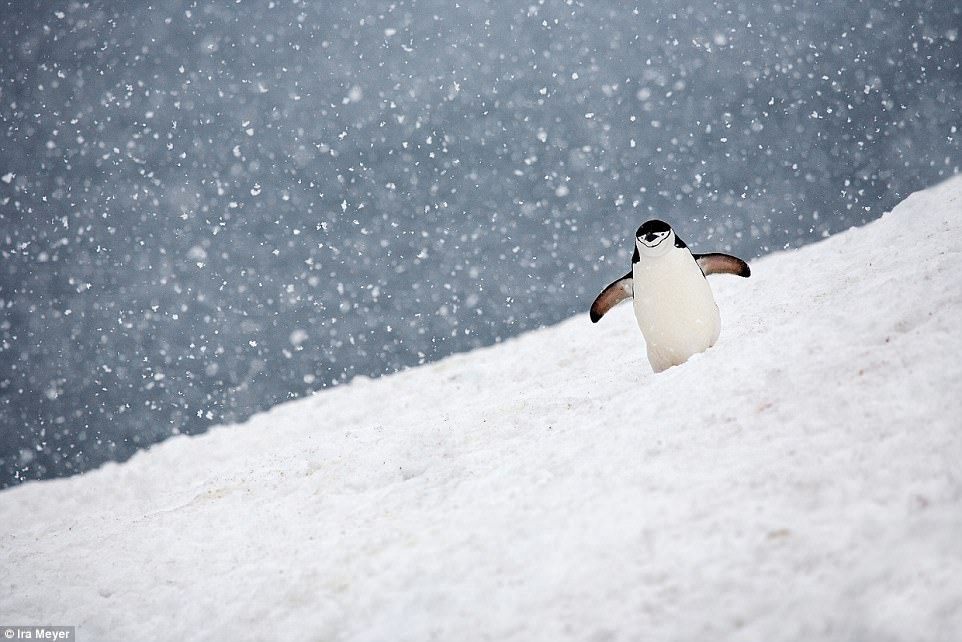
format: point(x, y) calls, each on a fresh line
point(673, 302)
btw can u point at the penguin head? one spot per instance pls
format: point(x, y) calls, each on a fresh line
point(654, 238)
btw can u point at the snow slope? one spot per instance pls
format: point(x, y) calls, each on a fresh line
point(799, 481)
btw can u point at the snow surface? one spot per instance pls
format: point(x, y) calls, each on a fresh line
point(799, 481)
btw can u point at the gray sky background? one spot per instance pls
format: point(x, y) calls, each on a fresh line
point(209, 208)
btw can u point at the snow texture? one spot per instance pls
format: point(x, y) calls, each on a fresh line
point(798, 481)
point(207, 208)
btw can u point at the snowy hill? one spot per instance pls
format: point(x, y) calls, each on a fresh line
point(799, 481)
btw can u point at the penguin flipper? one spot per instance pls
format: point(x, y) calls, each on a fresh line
point(717, 263)
point(611, 296)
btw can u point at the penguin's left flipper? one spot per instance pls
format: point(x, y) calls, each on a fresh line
point(717, 263)
point(611, 296)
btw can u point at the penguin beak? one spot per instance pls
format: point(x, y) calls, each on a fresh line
point(653, 239)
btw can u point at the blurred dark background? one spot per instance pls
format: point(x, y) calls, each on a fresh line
point(209, 208)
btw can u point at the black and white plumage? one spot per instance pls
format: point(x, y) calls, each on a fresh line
point(673, 302)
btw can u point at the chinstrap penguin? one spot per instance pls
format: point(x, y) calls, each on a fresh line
point(673, 302)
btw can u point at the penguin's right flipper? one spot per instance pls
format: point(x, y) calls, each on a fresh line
point(611, 296)
point(718, 263)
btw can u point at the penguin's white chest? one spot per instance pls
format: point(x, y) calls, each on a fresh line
point(674, 307)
